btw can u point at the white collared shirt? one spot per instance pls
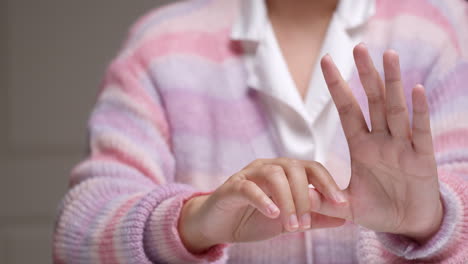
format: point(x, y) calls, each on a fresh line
point(304, 127)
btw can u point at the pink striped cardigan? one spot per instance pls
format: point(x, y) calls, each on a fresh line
point(175, 117)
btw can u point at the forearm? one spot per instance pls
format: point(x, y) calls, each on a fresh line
point(96, 213)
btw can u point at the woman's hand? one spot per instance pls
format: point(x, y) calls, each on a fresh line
point(394, 186)
point(263, 200)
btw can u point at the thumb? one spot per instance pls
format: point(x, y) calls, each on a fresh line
point(323, 206)
point(324, 221)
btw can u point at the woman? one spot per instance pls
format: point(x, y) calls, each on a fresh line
point(215, 118)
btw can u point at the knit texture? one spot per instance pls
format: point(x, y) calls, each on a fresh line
point(175, 117)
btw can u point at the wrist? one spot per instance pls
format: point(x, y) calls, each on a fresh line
point(189, 226)
point(422, 233)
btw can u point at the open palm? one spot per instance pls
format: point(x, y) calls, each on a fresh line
point(394, 186)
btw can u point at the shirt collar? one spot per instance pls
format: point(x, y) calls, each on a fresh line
point(251, 21)
point(253, 18)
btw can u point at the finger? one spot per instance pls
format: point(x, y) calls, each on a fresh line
point(397, 112)
point(350, 113)
point(253, 195)
point(323, 206)
point(324, 221)
point(321, 179)
point(273, 178)
point(373, 86)
point(297, 177)
point(421, 132)
point(300, 174)
point(257, 163)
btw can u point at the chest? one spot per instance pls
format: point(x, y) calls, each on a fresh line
point(300, 48)
point(218, 125)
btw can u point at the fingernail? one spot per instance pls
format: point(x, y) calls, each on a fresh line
point(293, 223)
point(305, 221)
point(339, 197)
point(272, 208)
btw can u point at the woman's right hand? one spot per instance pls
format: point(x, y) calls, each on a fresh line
point(265, 199)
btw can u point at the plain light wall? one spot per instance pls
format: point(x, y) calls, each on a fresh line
point(53, 54)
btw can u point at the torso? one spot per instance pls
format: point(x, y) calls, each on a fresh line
point(218, 124)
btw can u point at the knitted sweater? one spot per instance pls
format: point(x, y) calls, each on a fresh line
point(175, 118)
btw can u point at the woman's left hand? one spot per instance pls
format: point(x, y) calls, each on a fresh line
point(394, 185)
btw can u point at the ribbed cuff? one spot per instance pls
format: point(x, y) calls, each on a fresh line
point(162, 238)
point(409, 249)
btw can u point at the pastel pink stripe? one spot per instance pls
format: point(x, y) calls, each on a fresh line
point(421, 8)
point(214, 115)
point(133, 89)
point(449, 140)
point(215, 46)
point(122, 156)
point(106, 245)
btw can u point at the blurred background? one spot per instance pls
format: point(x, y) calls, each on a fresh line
point(53, 54)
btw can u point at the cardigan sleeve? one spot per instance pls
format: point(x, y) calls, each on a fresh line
point(123, 203)
point(447, 91)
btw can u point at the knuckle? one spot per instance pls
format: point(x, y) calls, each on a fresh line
point(334, 84)
point(374, 99)
point(256, 163)
point(246, 187)
point(231, 181)
point(421, 112)
point(236, 186)
point(315, 165)
point(393, 81)
point(365, 71)
point(242, 187)
point(345, 109)
point(272, 169)
point(284, 160)
point(396, 110)
point(295, 163)
point(239, 176)
point(290, 162)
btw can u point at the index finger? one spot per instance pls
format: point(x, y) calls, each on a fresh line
point(352, 119)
